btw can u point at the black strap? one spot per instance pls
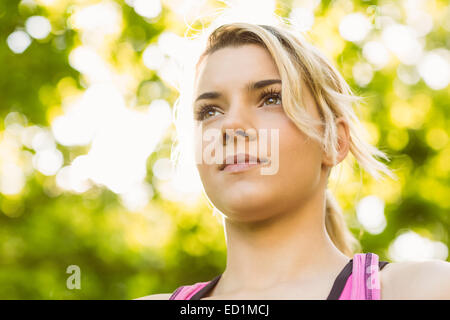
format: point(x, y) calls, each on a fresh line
point(205, 290)
point(382, 264)
point(340, 281)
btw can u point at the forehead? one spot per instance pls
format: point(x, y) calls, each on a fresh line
point(230, 68)
point(235, 66)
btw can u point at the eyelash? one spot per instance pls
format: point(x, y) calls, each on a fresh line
point(204, 109)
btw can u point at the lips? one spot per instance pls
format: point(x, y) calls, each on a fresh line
point(243, 158)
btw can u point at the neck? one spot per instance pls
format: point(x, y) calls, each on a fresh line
point(290, 246)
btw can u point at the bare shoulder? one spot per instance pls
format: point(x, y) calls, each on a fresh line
point(158, 296)
point(419, 280)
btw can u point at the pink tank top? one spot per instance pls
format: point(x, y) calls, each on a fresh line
point(358, 280)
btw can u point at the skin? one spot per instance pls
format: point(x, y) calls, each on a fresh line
point(277, 243)
point(274, 224)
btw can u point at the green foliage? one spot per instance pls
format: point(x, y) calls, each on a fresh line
point(125, 254)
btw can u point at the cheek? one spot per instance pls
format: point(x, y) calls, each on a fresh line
point(208, 172)
point(205, 173)
point(300, 157)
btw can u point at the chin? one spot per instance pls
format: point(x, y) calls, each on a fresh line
point(251, 216)
point(245, 206)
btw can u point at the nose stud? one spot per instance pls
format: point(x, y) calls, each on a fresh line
point(238, 132)
point(242, 133)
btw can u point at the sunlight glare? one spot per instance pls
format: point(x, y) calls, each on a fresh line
point(18, 41)
point(38, 27)
point(370, 213)
point(410, 246)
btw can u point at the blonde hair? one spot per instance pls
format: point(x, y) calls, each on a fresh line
point(294, 56)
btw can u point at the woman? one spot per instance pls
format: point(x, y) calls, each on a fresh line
point(286, 237)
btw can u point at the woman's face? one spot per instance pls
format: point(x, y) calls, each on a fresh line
point(296, 161)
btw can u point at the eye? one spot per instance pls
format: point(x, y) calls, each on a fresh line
point(272, 96)
point(205, 110)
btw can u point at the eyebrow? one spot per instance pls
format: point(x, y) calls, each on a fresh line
point(252, 86)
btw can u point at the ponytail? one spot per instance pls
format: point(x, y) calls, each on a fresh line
point(337, 228)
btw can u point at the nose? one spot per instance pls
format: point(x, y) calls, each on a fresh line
point(237, 125)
